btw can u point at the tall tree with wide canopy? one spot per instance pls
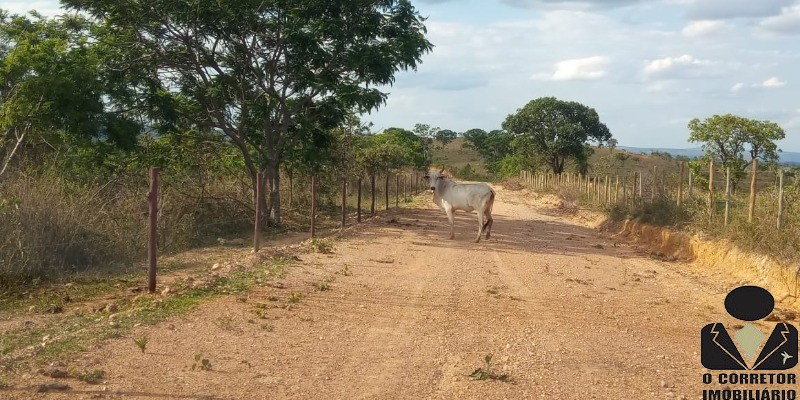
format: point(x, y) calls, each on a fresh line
point(52, 88)
point(726, 138)
point(555, 130)
point(266, 73)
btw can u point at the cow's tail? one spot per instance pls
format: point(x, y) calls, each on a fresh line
point(489, 209)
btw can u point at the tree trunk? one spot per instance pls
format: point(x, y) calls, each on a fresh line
point(262, 200)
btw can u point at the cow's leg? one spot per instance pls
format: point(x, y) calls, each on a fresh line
point(489, 221)
point(480, 227)
point(452, 219)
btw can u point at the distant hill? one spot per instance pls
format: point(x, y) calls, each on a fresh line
point(786, 157)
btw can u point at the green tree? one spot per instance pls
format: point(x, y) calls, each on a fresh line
point(416, 150)
point(493, 146)
point(725, 138)
point(445, 136)
point(555, 130)
point(52, 88)
point(392, 149)
point(474, 138)
point(274, 75)
point(761, 137)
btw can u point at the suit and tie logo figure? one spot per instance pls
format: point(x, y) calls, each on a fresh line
point(750, 351)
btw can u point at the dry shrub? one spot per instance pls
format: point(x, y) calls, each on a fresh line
point(512, 184)
point(50, 227)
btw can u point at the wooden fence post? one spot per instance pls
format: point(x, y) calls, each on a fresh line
point(372, 191)
point(752, 208)
point(680, 186)
point(711, 188)
point(727, 195)
point(152, 248)
point(588, 188)
point(624, 192)
point(597, 188)
point(259, 192)
point(358, 201)
point(344, 203)
point(691, 185)
point(396, 191)
point(616, 191)
point(640, 187)
point(313, 204)
point(780, 200)
point(655, 178)
point(607, 193)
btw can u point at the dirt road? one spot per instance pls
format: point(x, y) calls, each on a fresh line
point(566, 312)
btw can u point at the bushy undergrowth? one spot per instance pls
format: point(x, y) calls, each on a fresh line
point(51, 227)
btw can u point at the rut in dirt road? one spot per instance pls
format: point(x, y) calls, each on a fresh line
point(566, 312)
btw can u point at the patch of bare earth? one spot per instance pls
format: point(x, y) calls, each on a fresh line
point(566, 311)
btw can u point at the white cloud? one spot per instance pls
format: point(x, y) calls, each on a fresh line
point(773, 82)
point(737, 87)
point(725, 9)
point(667, 65)
point(704, 28)
point(787, 22)
point(48, 8)
point(577, 69)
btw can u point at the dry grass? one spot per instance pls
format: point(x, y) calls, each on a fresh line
point(51, 228)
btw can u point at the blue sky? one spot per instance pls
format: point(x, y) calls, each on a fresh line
point(646, 66)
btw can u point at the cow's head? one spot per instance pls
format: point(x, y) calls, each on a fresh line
point(434, 178)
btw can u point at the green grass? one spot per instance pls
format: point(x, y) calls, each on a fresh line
point(487, 373)
point(323, 285)
point(71, 333)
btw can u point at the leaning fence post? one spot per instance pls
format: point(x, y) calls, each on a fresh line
point(152, 248)
point(780, 199)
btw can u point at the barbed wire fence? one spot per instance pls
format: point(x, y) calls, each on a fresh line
point(765, 206)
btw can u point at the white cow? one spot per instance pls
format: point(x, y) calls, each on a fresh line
point(451, 196)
